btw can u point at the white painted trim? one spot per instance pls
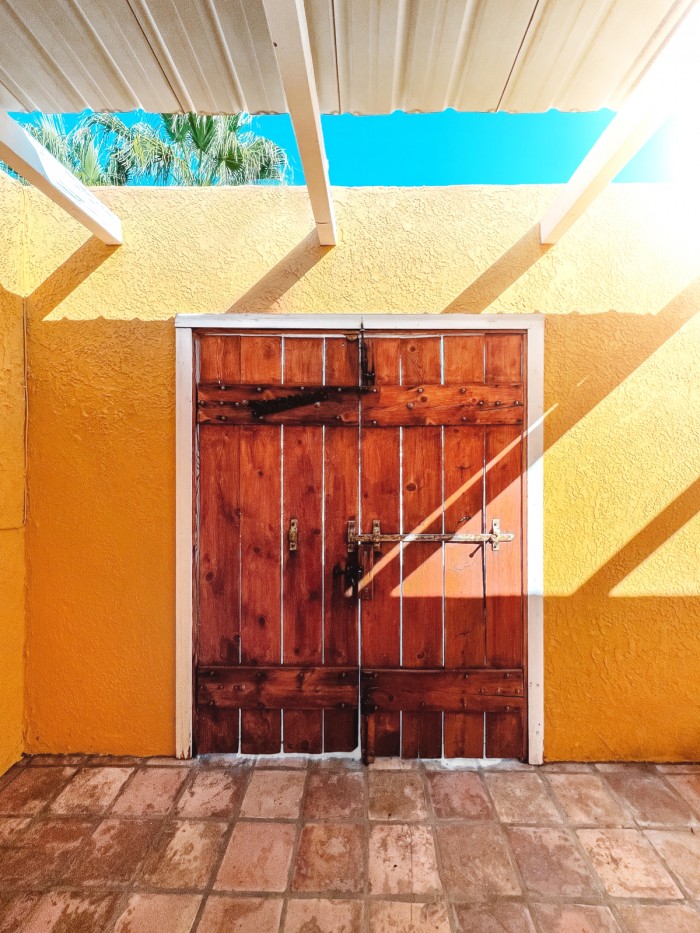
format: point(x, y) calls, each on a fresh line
point(184, 563)
point(535, 541)
point(34, 163)
point(533, 324)
point(333, 322)
point(290, 37)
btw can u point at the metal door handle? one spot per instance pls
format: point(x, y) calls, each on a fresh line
point(293, 534)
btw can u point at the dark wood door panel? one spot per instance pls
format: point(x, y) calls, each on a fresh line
point(422, 433)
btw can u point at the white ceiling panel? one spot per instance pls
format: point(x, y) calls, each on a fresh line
point(370, 56)
point(580, 51)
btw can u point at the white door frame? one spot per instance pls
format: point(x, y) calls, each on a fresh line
point(186, 324)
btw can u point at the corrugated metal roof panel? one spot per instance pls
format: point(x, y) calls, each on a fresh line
point(370, 56)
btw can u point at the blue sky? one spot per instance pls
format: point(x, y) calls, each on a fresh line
point(452, 148)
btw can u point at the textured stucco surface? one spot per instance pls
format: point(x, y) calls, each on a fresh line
point(12, 473)
point(621, 293)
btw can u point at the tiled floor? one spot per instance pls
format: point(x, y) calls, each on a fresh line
point(216, 846)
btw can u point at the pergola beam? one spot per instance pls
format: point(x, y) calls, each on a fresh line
point(658, 95)
point(290, 37)
point(33, 162)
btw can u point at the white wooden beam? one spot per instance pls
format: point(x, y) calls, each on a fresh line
point(290, 37)
point(662, 91)
point(33, 162)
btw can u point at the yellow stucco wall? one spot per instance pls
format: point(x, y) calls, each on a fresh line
point(620, 292)
point(12, 474)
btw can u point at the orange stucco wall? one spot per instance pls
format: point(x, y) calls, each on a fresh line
point(12, 475)
point(621, 294)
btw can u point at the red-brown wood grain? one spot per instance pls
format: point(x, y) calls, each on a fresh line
point(260, 482)
point(277, 630)
point(422, 570)
point(218, 581)
point(303, 569)
point(380, 499)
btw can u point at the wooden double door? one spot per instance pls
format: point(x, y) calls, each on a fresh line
point(359, 543)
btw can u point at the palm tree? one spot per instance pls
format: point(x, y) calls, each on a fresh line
point(80, 151)
point(175, 149)
point(188, 149)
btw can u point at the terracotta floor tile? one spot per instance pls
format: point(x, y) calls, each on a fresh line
point(320, 916)
point(396, 795)
point(114, 761)
point(627, 864)
point(92, 790)
point(634, 767)
point(274, 795)
point(575, 918)
point(335, 795)
point(330, 859)
point(113, 852)
point(650, 800)
point(393, 764)
point(44, 853)
point(475, 862)
point(257, 858)
point(586, 798)
point(550, 863)
point(521, 798)
point(681, 852)
point(688, 786)
point(504, 764)
point(151, 792)
point(55, 761)
point(402, 860)
point(565, 767)
point(213, 793)
point(292, 762)
point(165, 761)
point(400, 917)
point(32, 789)
point(459, 794)
point(681, 767)
point(240, 915)
point(71, 913)
point(14, 910)
point(169, 913)
point(670, 918)
point(11, 829)
point(506, 917)
point(185, 856)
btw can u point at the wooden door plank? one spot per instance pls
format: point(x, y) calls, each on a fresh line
point(218, 583)
point(505, 643)
point(341, 609)
point(341, 455)
point(379, 485)
point(300, 689)
point(503, 358)
point(463, 358)
point(303, 568)
point(504, 590)
point(342, 361)
point(422, 583)
point(260, 454)
point(217, 639)
point(465, 623)
point(219, 358)
point(441, 689)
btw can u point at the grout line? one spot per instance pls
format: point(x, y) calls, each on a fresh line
point(223, 848)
